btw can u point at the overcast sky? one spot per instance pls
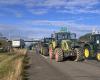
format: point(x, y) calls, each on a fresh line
point(39, 18)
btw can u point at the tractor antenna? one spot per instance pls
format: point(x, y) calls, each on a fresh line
point(94, 31)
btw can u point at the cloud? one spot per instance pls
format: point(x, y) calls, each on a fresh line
point(4, 11)
point(54, 3)
point(19, 31)
point(62, 6)
point(73, 6)
point(38, 11)
point(78, 11)
point(43, 28)
point(80, 6)
point(72, 26)
point(42, 7)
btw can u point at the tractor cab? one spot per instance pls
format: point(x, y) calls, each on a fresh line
point(64, 36)
point(47, 40)
point(96, 39)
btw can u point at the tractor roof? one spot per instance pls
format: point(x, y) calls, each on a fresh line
point(62, 32)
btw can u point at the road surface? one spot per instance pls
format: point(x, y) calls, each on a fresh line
point(42, 68)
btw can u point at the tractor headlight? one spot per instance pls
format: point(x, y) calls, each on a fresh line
point(98, 41)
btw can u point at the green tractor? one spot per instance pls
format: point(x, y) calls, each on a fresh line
point(44, 48)
point(64, 45)
point(91, 46)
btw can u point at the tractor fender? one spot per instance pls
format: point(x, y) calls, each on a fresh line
point(88, 45)
point(53, 44)
point(65, 45)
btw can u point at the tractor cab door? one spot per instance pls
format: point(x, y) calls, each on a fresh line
point(95, 39)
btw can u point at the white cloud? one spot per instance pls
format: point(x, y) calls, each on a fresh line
point(19, 31)
point(45, 28)
point(64, 6)
point(78, 11)
point(10, 11)
point(80, 6)
point(38, 11)
point(9, 2)
point(7, 27)
point(54, 3)
point(72, 26)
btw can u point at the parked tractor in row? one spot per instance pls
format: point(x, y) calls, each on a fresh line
point(44, 46)
point(90, 44)
point(64, 44)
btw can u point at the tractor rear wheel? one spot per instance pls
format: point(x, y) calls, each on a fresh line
point(45, 51)
point(51, 54)
point(98, 56)
point(78, 54)
point(58, 55)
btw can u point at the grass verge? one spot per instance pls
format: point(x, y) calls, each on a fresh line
point(11, 65)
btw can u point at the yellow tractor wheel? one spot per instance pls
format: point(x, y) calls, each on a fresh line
point(86, 53)
point(98, 56)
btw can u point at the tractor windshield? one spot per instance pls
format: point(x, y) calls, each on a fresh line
point(60, 36)
point(47, 40)
point(73, 36)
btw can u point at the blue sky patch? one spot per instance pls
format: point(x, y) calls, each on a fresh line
point(37, 19)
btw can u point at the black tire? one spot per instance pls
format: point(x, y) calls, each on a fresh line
point(78, 54)
point(45, 51)
point(58, 54)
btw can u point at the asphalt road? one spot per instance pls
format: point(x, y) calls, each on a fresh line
point(42, 68)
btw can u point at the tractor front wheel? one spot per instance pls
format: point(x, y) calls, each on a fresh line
point(45, 51)
point(58, 55)
point(78, 54)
